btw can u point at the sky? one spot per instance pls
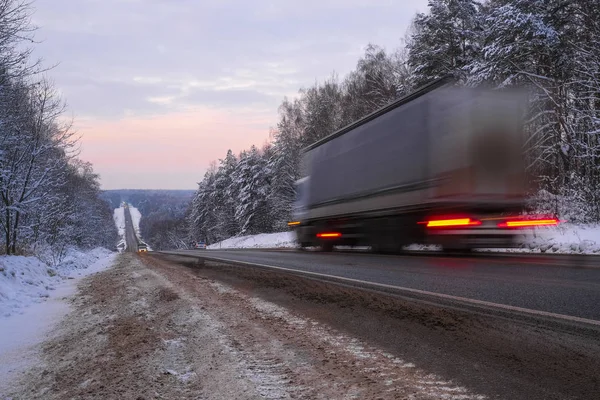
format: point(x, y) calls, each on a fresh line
point(160, 88)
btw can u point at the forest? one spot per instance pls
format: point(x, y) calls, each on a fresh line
point(550, 47)
point(49, 198)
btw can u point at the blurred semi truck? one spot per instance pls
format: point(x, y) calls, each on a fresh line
point(443, 165)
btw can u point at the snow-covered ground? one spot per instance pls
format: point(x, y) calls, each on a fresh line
point(563, 239)
point(32, 301)
point(263, 240)
point(136, 216)
point(566, 238)
point(119, 217)
point(27, 280)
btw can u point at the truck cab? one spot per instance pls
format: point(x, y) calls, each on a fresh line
point(299, 211)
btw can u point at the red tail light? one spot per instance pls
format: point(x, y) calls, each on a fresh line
point(452, 223)
point(329, 235)
point(528, 223)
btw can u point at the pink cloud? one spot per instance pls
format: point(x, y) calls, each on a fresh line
point(169, 151)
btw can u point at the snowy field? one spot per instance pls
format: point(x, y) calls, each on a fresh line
point(564, 239)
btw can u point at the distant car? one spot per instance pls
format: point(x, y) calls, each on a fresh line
point(200, 245)
point(142, 248)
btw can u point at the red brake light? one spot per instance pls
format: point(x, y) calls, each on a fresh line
point(528, 223)
point(329, 235)
point(452, 223)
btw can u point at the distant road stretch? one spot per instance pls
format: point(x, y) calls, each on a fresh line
point(130, 236)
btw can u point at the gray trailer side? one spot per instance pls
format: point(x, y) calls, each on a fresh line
point(375, 180)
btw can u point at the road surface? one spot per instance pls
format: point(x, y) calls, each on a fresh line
point(130, 236)
point(514, 327)
point(567, 286)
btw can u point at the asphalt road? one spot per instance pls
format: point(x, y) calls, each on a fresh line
point(130, 236)
point(560, 285)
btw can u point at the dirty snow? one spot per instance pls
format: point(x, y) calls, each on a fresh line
point(370, 359)
point(565, 238)
point(32, 301)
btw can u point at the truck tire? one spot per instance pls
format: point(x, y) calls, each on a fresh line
point(327, 247)
point(385, 237)
point(304, 245)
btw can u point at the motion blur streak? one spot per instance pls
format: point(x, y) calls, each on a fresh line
point(528, 223)
point(453, 222)
point(329, 235)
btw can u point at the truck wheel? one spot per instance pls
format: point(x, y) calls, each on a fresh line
point(304, 245)
point(455, 251)
point(327, 247)
point(387, 245)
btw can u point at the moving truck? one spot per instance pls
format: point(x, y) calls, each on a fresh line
point(441, 165)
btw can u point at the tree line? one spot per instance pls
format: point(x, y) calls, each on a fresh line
point(550, 47)
point(49, 199)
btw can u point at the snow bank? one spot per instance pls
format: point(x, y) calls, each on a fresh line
point(27, 280)
point(119, 217)
point(136, 216)
point(36, 308)
point(565, 238)
point(260, 241)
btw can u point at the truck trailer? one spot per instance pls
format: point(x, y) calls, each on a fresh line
point(443, 165)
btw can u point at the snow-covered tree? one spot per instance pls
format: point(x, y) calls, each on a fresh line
point(445, 40)
point(252, 180)
point(285, 161)
point(42, 198)
point(321, 106)
point(377, 80)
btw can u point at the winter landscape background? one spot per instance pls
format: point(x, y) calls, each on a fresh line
point(51, 201)
point(549, 47)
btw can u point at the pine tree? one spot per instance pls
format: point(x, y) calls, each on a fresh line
point(285, 162)
point(252, 180)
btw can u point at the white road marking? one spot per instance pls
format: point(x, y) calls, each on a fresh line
point(536, 313)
